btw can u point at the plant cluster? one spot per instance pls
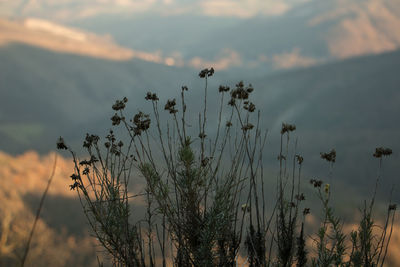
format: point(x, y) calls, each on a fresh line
point(205, 192)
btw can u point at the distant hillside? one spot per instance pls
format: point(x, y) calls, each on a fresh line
point(44, 95)
point(351, 105)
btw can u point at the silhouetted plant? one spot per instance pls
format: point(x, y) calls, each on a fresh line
point(204, 191)
point(368, 249)
point(301, 254)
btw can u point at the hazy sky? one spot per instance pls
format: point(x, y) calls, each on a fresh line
point(248, 34)
point(78, 9)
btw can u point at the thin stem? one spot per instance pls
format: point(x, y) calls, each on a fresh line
point(38, 211)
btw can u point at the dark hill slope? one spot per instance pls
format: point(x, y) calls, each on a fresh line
point(44, 94)
point(352, 105)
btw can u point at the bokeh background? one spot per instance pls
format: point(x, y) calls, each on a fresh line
point(331, 67)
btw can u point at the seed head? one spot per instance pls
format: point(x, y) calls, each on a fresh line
point(61, 144)
point(300, 159)
point(287, 128)
point(247, 127)
point(316, 183)
point(249, 106)
point(151, 96)
point(240, 92)
point(232, 102)
point(202, 135)
point(85, 162)
point(90, 140)
point(74, 177)
point(74, 186)
point(170, 106)
point(223, 88)
point(381, 151)
point(206, 73)
point(300, 197)
point(119, 104)
point(116, 120)
point(86, 171)
point(331, 156)
point(141, 122)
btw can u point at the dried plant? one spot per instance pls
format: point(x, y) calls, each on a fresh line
point(205, 195)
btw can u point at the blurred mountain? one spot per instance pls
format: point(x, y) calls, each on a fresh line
point(350, 105)
point(44, 95)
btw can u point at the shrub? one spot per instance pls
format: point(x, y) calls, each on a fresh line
point(205, 191)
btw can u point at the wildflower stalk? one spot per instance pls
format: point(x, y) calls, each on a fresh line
point(207, 206)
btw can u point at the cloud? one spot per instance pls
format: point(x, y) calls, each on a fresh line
point(361, 28)
point(358, 36)
point(78, 9)
point(393, 253)
point(58, 38)
point(74, 9)
point(228, 58)
point(29, 173)
point(292, 59)
point(244, 8)
point(117, 7)
point(42, 25)
point(175, 59)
